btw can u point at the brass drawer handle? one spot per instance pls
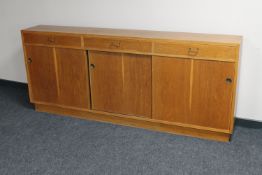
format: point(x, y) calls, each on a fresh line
point(115, 44)
point(193, 51)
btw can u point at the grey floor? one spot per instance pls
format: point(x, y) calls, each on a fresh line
point(40, 143)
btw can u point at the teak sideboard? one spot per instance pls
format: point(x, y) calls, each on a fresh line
point(182, 83)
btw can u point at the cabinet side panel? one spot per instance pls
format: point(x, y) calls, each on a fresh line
point(26, 61)
point(235, 89)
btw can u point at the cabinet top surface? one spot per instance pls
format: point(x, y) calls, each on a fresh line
point(147, 34)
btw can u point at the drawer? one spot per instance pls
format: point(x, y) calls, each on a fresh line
point(53, 39)
point(205, 51)
point(38, 38)
point(67, 40)
point(129, 45)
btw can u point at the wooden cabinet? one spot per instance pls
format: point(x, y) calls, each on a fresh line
point(120, 83)
point(180, 83)
point(40, 62)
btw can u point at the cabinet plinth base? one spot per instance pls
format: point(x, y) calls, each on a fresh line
point(134, 122)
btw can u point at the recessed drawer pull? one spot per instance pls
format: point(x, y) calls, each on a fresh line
point(92, 66)
point(115, 44)
point(50, 40)
point(193, 51)
point(229, 80)
point(29, 61)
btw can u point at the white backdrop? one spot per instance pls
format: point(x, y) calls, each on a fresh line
point(239, 17)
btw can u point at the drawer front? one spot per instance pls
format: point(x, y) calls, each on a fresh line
point(130, 45)
point(212, 52)
point(67, 40)
point(52, 39)
point(38, 38)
